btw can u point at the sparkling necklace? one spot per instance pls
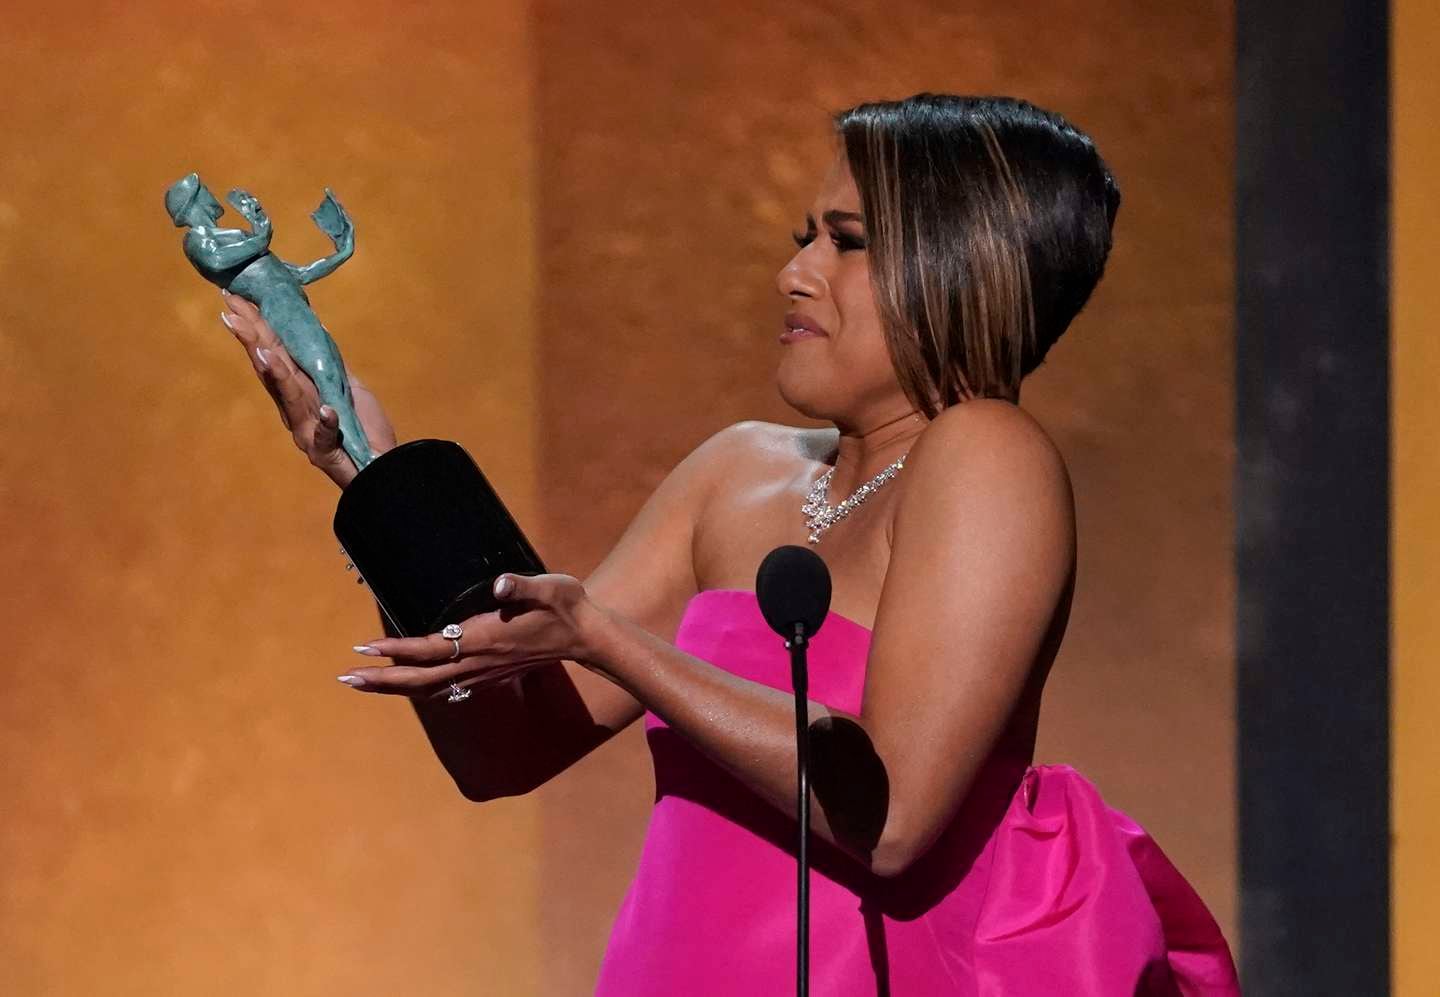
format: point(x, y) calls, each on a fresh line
point(821, 515)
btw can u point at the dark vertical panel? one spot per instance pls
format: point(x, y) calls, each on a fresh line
point(1312, 387)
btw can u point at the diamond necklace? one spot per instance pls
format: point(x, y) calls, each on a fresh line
point(821, 515)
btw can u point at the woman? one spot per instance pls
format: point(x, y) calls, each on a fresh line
point(952, 241)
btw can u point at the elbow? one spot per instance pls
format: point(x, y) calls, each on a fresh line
point(893, 857)
point(898, 848)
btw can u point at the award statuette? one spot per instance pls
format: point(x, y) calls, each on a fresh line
point(420, 522)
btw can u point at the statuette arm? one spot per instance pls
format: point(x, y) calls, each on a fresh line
point(202, 246)
point(330, 217)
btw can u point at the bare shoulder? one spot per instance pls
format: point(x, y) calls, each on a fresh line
point(988, 432)
point(754, 448)
point(987, 451)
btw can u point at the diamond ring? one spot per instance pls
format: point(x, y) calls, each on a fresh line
point(453, 632)
point(457, 694)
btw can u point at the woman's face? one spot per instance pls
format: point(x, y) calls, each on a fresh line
point(834, 364)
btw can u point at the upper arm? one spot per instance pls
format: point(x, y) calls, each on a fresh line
point(649, 575)
point(982, 553)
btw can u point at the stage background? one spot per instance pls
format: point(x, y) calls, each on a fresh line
point(569, 218)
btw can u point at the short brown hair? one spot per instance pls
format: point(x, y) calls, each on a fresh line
point(988, 221)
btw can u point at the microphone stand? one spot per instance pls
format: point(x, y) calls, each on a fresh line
point(799, 678)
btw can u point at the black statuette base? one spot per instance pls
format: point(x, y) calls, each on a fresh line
point(429, 536)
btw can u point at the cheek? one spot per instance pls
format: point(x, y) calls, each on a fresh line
point(862, 337)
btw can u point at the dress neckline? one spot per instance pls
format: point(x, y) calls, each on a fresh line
point(756, 600)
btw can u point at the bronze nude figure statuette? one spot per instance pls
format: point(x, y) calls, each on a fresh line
point(241, 262)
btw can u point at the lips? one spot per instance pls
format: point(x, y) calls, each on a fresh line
point(798, 327)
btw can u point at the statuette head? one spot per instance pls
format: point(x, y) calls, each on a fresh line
point(189, 202)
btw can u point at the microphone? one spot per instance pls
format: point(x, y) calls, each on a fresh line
point(793, 589)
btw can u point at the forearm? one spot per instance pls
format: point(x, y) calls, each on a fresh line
point(312, 272)
point(749, 729)
point(218, 257)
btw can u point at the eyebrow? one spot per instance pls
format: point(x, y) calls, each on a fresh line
point(836, 218)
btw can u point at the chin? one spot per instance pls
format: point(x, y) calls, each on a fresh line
point(801, 392)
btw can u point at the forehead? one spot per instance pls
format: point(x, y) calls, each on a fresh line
point(837, 189)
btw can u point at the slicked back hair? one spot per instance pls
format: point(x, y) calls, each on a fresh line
point(988, 222)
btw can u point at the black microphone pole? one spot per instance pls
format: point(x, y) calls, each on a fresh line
point(800, 679)
point(793, 588)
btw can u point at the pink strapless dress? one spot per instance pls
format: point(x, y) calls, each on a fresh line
point(1036, 888)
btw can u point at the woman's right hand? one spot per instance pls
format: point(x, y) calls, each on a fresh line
point(315, 428)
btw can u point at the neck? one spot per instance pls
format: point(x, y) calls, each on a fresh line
point(864, 452)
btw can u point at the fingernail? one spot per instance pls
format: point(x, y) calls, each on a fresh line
point(224, 293)
point(365, 649)
point(353, 681)
point(264, 356)
point(225, 317)
point(326, 411)
point(503, 585)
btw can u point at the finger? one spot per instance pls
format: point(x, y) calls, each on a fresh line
point(258, 331)
point(245, 320)
point(244, 332)
point(245, 336)
point(286, 384)
point(525, 589)
point(235, 322)
point(432, 648)
point(327, 430)
point(300, 403)
point(265, 334)
point(252, 329)
point(487, 679)
point(241, 306)
point(406, 678)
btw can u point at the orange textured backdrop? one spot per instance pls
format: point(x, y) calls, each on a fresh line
point(192, 804)
point(569, 219)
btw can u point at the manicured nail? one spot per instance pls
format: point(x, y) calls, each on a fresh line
point(224, 293)
point(225, 317)
point(326, 411)
point(365, 649)
point(353, 681)
point(503, 585)
point(264, 356)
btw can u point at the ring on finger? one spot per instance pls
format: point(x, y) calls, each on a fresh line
point(453, 632)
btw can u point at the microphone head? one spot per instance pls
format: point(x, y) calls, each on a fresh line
point(793, 586)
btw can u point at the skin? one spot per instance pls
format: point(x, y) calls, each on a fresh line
point(963, 566)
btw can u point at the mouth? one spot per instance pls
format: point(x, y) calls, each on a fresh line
point(798, 327)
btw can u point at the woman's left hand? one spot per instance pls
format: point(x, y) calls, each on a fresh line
point(542, 619)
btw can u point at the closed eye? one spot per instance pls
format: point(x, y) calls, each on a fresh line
point(843, 241)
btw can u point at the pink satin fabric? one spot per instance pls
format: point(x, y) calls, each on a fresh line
point(1037, 887)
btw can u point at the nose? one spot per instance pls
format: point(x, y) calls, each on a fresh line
point(798, 279)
